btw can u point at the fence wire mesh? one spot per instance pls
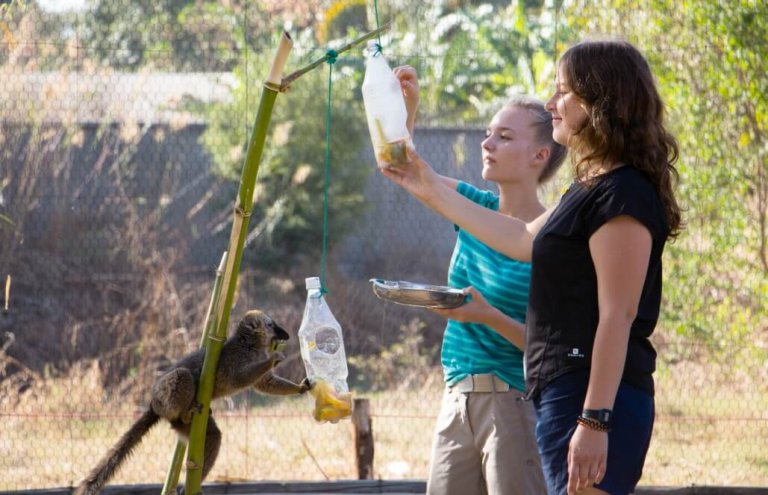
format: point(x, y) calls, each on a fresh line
point(123, 131)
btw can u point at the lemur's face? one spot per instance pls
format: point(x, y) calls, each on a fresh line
point(258, 329)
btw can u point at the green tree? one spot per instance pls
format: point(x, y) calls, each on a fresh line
point(31, 37)
point(240, 36)
point(182, 35)
point(473, 55)
point(710, 61)
point(288, 212)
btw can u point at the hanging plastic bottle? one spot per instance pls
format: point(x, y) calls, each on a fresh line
point(322, 349)
point(385, 110)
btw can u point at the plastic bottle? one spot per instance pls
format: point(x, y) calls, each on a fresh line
point(385, 110)
point(321, 341)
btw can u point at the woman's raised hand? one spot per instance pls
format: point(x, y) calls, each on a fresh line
point(409, 82)
point(417, 177)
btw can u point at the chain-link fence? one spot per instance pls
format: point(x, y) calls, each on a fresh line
point(123, 132)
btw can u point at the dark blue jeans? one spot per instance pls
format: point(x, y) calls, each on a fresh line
point(557, 408)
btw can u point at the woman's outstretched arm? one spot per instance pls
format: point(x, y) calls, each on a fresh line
point(508, 235)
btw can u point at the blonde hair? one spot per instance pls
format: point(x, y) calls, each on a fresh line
point(541, 123)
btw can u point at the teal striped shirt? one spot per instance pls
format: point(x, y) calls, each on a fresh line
point(471, 348)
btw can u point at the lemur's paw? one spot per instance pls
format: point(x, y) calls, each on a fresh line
point(196, 408)
point(306, 385)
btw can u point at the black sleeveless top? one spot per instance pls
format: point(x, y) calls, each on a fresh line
point(563, 310)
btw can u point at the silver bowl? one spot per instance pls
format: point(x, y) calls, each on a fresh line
point(421, 295)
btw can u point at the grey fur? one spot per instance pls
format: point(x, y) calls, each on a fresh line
point(245, 361)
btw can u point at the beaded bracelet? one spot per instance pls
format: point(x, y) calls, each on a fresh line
point(593, 424)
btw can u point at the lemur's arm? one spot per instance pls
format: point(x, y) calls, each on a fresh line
point(239, 372)
point(276, 385)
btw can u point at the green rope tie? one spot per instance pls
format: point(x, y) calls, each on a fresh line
point(376, 12)
point(330, 58)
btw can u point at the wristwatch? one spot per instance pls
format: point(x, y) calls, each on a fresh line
point(603, 416)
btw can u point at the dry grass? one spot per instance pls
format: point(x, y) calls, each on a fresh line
point(50, 437)
point(711, 427)
point(709, 431)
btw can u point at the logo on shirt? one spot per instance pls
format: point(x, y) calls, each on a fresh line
point(575, 353)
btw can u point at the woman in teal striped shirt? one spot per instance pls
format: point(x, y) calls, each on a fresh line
point(484, 438)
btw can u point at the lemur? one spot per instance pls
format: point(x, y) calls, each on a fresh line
point(246, 359)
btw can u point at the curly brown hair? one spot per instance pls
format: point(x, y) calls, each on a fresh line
point(626, 116)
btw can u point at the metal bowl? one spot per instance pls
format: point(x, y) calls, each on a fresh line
point(421, 295)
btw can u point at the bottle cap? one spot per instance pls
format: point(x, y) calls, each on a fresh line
point(372, 47)
point(312, 283)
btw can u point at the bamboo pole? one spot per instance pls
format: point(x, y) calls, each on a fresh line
point(272, 86)
point(286, 82)
point(212, 315)
point(174, 470)
point(242, 214)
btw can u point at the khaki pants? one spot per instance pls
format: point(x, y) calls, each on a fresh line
point(485, 443)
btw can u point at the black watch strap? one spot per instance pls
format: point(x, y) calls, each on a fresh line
point(602, 415)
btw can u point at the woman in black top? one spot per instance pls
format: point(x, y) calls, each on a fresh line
point(596, 267)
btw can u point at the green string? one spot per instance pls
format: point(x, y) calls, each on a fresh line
point(378, 36)
point(330, 58)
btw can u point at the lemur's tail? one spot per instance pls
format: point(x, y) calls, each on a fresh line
point(109, 465)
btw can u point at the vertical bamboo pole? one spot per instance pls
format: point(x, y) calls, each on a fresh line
point(174, 470)
point(242, 215)
point(211, 317)
point(213, 314)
